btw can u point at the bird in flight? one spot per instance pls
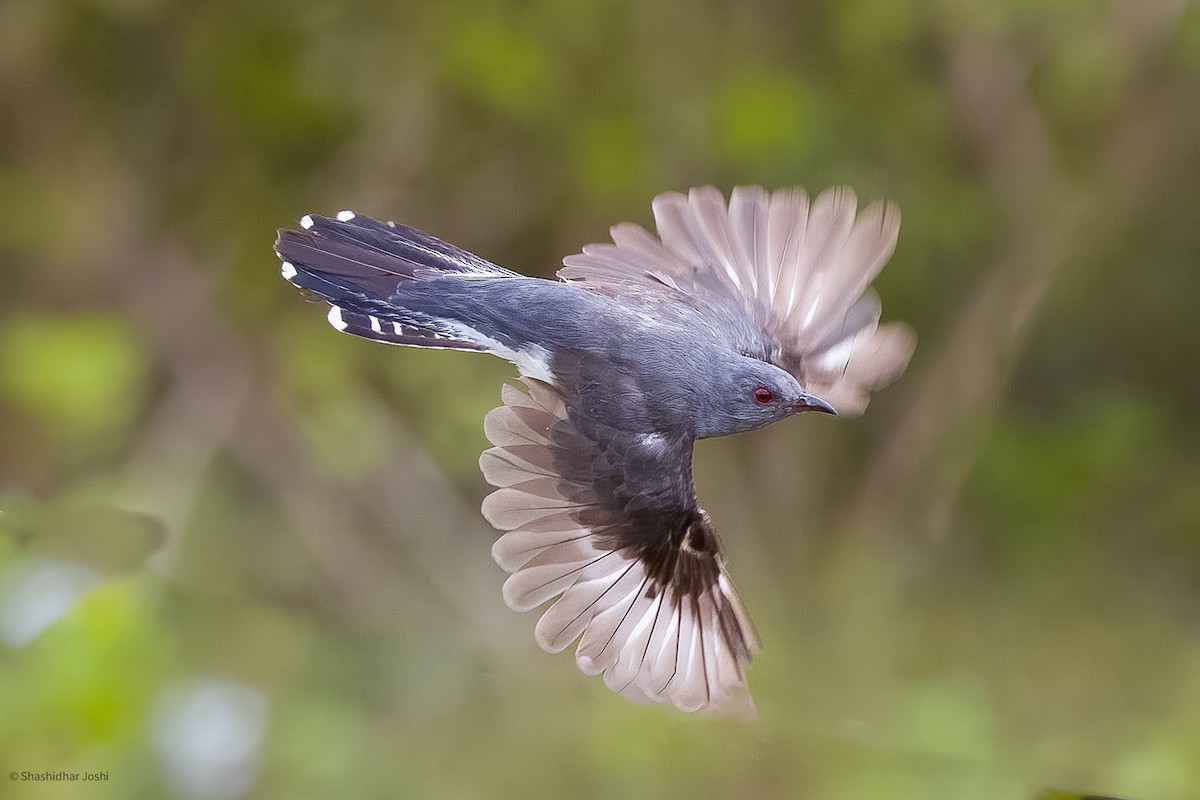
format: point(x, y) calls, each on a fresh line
point(735, 316)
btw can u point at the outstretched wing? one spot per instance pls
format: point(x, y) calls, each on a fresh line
point(605, 523)
point(795, 269)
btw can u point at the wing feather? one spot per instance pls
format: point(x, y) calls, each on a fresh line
point(796, 270)
point(646, 607)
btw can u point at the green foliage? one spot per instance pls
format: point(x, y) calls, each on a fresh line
point(764, 115)
point(503, 60)
point(79, 375)
point(109, 539)
point(984, 588)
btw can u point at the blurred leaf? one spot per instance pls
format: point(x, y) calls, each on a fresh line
point(251, 67)
point(865, 27)
point(1042, 474)
point(321, 740)
point(87, 676)
point(452, 432)
point(948, 718)
point(79, 374)
point(501, 59)
point(613, 155)
point(322, 376)
point(33, 213)
point(1189, 33)
point(761, 113)
point(1168, 765)
point(110, 539)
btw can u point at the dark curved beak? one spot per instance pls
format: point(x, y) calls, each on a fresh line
point(808, 402)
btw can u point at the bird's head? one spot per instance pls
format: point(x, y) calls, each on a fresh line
point(751, 394)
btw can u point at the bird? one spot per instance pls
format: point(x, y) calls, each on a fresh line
point(738, 314)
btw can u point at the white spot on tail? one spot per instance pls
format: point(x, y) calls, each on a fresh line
point(375, 326)
point(335, 318)
point(532, 361)
point(396, 327)
point(287, 270)
point(306, 222)
point(345, 216)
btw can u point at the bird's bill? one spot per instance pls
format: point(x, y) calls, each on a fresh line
point(809, 402)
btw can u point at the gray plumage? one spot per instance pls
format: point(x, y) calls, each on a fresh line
point(736, 316)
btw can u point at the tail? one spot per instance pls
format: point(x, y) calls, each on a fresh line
point(357, 264)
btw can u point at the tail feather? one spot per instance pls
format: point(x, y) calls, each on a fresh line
point(356, 264)
point(405, 328)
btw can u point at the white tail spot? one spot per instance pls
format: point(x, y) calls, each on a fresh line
point(287, 270)
point(375, 326)
point(345, 216)
point(533, 361)
point(335, 318)
point(306, 222)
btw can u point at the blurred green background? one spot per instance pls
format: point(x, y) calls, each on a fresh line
point(241, 555)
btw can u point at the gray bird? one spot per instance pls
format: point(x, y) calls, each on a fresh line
point(736, 316)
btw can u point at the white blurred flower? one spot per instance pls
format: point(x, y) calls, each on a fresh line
point(37, 594)
point(209, 736)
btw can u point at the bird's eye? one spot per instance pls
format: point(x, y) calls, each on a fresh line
point(763, 395)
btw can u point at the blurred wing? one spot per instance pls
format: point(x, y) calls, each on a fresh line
point(605, 523)
point(798, 270)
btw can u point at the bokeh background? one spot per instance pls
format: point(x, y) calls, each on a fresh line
point(241, 555)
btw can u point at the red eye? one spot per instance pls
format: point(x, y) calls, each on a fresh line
point(763, 395)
